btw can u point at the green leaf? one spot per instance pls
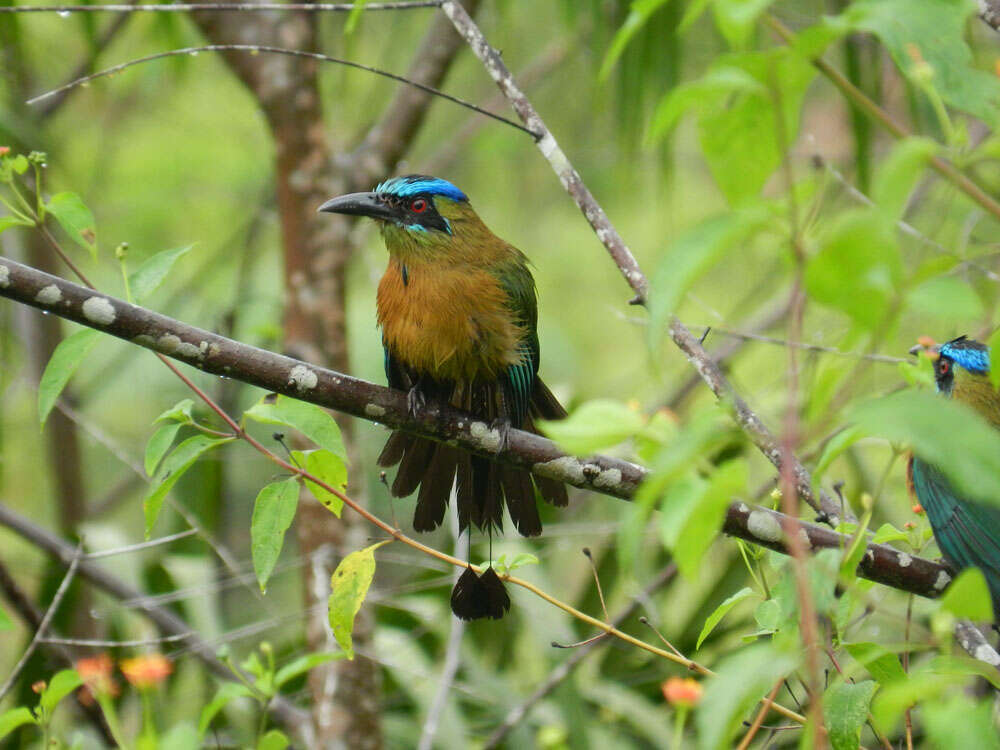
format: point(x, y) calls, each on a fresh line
point(736, 19)
point(898, 174)
point(62, 684)
point(960, 722)
point(994, 346)
point(741, 680)
point(925, 687)
point(593, 426)
point(689, 256)
point(16, 717)
point(845, 711)
point(889, 533)
point(968, 597)
point(936, 31)
point(6, 222)
point(881, 663)
point(833, 449)
point(273, 513)
point(349, 584)
point(181, 736)
point(858, 267)
point(716, 617)
point(701, 95)
point(330, 469)
point(304, 664)
point(159, 443)
point(273, 740)
point(152, 272)
point(179, 412)
point(945, 299)
point(929, 424)
point(5, 623)
point(703, 524)
point(20, 164)
point(179, 461)
point(309, 419)
point(639, 13)
point(768, 615)
point(66, 357)
point(227, 692)
point(75, 219)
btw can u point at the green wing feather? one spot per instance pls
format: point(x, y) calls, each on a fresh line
point(519, 379)
point(968, 533)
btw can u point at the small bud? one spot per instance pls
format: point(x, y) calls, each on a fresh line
point(909, 525)
point(4, 150)
point(121, 251)
point(918, 509)
point(265, 647)
point(38, 687)
point(776, 494)
point(680, 691)
point(38, 157)
point(867, 501)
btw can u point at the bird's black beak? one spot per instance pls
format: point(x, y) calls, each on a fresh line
point(359, 204)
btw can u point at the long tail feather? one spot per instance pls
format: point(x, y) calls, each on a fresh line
point(435, 488)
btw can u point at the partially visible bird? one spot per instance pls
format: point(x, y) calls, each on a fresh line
point(458, 315)
point(968, 532)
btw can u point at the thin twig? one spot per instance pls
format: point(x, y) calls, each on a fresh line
point(759, 719)
point(257, 48)
point(95, 643)
point(49, 614)
point(240, 7)
point(141, 545)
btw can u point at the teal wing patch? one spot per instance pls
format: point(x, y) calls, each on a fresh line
point(519, 379)
point(968, 533)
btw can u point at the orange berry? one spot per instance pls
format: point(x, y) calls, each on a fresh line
point(918, 509)
point(680, 691)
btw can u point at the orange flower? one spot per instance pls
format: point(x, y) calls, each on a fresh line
point(38, 687)
point(146, 671)
point(96, 675)
point(918, 509)
point(682, 691)
point(4, 150)
point(909, 525)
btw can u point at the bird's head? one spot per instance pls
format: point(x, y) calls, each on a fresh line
point(416, 213)
point(962, 358)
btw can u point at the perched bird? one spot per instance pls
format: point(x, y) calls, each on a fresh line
point(458, 315)
point(967, 532)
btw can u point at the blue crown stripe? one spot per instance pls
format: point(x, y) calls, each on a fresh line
point(407, 187)
point(973, 359)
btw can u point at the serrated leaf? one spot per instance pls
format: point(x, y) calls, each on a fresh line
point(273, 513)
point(889, 533)
point(968, 596)
point(858, 268)
point(329, 468)
point(6, 222)
point(16, 717)
point(845, 711)
point(173, 467)
point(152, 272)
point(881, 663)
point(593, 426)
point(62, 684)
point(273, 740)
point(690, 255)
point(716, 617)
point(65, 360)
point(703, 524)
point(304, 664)
point(312, 421)
point(179, 412)
point(227, 692)
point(159, 443)
point(349, 585)
point(75, 219)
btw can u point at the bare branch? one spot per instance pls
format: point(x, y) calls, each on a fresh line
point(257, 48)
point(241, 7)
point(610, 476)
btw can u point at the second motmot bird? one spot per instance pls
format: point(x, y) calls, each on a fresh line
point(458, 314)
point(967, 531)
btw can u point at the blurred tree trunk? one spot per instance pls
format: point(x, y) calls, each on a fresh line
point(317, 249)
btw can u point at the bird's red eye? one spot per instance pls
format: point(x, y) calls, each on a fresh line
point(418, 206)
point(944, 366)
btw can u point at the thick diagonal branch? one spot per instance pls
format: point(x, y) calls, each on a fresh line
point(610, 476)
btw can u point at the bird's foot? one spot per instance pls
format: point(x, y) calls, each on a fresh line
point(416, 400)
point(502, 426)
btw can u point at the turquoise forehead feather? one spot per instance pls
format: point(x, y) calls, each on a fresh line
point(968, 354)
point(420, 184)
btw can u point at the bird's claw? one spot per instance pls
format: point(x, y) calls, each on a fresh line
point(502, 426)
point(415, 400)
